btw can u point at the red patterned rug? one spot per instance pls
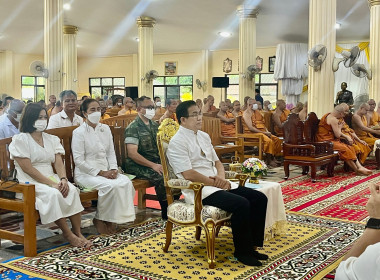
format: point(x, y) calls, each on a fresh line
point(343, 196)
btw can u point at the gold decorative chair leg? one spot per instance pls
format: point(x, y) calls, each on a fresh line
point(210, 230)
point(217, 229)
point(169, 227)
point(198, 231)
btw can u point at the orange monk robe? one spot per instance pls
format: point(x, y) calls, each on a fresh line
point(130, 112)
point(228, 129)
point(272, 145)
point(362, 151)
point(105, 116)
point(114, 110)
point(363, 135)
point(374, 120)
point(174, 117)
point(49, 111)
point(326, 133)
point(284, 116)
point(212, 109)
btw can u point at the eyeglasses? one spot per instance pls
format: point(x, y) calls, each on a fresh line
point(148, 107)
point(195, 115)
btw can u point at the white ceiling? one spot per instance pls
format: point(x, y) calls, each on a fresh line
point(108, 28)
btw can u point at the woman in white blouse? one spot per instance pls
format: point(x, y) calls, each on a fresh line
point(96, 168)
point(34, 153)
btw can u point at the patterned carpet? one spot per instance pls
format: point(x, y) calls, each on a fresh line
point(343, 196)
point(312, 248)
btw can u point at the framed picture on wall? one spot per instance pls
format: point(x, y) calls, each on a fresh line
point(170, 68)
point(272, 61)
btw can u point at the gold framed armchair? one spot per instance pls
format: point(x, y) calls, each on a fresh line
point(210, 218)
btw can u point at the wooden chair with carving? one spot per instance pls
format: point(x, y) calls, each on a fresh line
point(208, 218)
point(249, 140)
point(213, 128)
point(305, 151)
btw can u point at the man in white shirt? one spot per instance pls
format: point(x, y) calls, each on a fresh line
point(193, 157)
point(9, 124)
point(362, 262)
point(67, 116)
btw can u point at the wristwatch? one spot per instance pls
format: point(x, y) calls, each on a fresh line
point(373, 223)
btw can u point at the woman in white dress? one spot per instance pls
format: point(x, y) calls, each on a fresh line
point(34, 152)
point(96, 168)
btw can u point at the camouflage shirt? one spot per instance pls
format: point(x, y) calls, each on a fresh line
point(145, 137)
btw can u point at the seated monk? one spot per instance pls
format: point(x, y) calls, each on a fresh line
point(360, 126)
point(209, 105)
point(297, 108)
point(267, 106)
point(227, 120)
point(245, 103)
point(373, 117)
point(303, 113)
point(361, 147)
point(128, 107)
point(253, 123)
point(236, 109)
point(279, 116)
point(103, 107)
point(117, 106)
point(171, 106)
point(329, 129)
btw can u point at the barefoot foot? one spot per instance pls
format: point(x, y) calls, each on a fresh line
point(74, 240)
point(101, 226)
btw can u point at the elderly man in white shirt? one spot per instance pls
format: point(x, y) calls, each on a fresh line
point(10, 122)
point(362, 262)
point(193, 157)
point(67, 116)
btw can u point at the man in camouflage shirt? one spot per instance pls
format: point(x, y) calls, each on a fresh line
point(143, 159)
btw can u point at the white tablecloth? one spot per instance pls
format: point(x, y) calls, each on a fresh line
point(275, 222)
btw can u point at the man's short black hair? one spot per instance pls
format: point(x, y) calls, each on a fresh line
point(155, 98)
point(257, 90)
point(140, 100)
point(29, 116)
point(8, 98)
point(183, 109)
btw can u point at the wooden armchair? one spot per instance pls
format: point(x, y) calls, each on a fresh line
point(210, 218)
point(305, 151)
point(213, 128)
point(249, 140)
point(120, 121)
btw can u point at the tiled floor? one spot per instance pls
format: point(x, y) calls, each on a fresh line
point(49, 236)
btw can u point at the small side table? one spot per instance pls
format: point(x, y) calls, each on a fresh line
point(275, 221)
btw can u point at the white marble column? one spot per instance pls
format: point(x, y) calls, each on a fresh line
point(145, 54)
point(53, 37)
point(322, 19)
point(70, 63)
point(7, 73)
point(374, 47)
point(247, 48)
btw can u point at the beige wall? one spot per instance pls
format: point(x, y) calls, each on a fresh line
point(21, 68)
point(190, 63)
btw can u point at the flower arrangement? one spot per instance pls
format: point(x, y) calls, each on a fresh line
point(255, 166)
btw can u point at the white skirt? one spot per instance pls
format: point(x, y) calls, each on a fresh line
point(115, 197)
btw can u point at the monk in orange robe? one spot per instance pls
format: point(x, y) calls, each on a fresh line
point(373, 117)
point(279, 116)
point(253, 123)
point(209, 105)
point(361, 147)
point(236, 111)
point(128, 107)
point(329, 129)
point(171, 106)
point(227, 120)
point(360, 126)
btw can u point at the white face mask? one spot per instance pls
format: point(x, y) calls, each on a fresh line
point(255, 107)
point(120, 104)
point(40, 125)
point(270, 107)
point(94, 117)
point(149, 113)
point(158, 104)
point(109, 106)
